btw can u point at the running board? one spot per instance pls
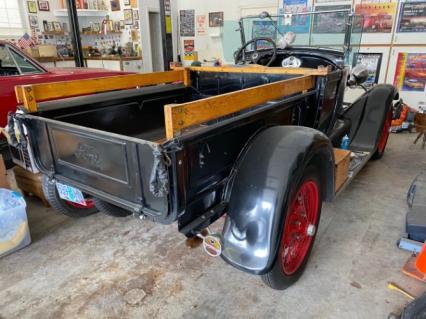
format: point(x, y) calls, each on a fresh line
point(358, 160)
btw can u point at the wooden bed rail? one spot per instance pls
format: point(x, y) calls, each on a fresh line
point(181, 116)
point(29, 95)
point(258, 69)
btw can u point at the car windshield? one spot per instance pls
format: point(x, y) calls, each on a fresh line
point(335, 29)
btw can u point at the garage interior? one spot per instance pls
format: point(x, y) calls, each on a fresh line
point(156, 163)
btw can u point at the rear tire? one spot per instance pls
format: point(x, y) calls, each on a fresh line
point(110, 209)
point(64, 207)
point(300, 224)
point(383, 141)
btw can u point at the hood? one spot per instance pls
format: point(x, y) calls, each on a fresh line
point(84, 71)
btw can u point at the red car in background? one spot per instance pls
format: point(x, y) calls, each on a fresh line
point(16, 68)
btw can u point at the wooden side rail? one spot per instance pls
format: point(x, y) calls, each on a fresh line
point(254, 68)
point(29, 95)
point(181, 116)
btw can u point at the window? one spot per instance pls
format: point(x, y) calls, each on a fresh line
point(10, 16)
point(23, 64)
point(12, 63)
point(7, 66)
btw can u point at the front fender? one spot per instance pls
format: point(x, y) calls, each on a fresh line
point(273, 161)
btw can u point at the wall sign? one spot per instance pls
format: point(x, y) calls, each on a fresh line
point(412, 17)
point(410, 74)
point(373, 62)
point(187, 23)
point(201, 24)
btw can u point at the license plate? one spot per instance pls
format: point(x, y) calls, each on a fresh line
point(70, 194)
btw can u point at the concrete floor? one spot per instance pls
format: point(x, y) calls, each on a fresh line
point(104, 267)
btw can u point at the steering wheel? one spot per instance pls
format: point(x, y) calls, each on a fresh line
point(256, 55)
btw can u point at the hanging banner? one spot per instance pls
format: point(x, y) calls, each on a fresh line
point(412, 17)
point(201, 24)
point(378, 17)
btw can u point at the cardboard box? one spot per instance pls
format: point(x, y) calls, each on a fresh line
point(342, 160)
point(4, 182)
point(47, 51)
point(32, 52)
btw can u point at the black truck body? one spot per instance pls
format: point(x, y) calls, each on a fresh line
point(114, 146)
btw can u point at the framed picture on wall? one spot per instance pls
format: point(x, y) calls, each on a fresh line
point(409, 74)
point(126, 2)
point(115, 5)
point(377, 17)
point(57, 26)
point(32, 6)
point(135, 15)
point(43, 5)
point(412, 17)
point(128, 16)
point(45, 26)
point(33, 21)
point(215, 19)
point(373, 62)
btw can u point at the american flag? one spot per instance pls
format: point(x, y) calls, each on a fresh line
point(25, 41)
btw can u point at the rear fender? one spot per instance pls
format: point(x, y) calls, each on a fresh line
point(273, 161)
point(367, 115)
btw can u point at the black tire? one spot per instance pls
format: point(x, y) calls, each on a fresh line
point(110, 209)
point(276, 278)
point(62, 206)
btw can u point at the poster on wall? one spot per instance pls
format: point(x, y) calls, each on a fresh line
point(412, 17)
point(299, 23)
point(188, 50)
point(201, 24)
point(410, 73)
point(378, 17)
point(188, 46)
point(331, 22)
point(187, 23)
point(373, 62)
point(264, 29)
point(328, 1)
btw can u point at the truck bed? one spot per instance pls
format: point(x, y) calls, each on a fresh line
point(124, 145)
point(139, 112)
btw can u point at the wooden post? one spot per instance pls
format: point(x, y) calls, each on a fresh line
point(187, 77)
point(29, 99)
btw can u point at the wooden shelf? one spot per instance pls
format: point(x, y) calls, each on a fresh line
point(54, 33)
point(100, 33)
point(81, 13)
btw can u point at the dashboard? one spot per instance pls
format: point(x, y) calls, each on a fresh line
point(297, 57)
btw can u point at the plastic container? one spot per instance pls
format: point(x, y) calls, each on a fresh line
point(345, 142)
point(14, 231)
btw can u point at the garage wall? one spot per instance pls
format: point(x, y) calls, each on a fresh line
point(210, 45)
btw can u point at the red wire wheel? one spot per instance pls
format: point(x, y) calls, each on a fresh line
point(300, 227)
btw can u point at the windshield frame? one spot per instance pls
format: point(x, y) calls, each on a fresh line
point(347, 48)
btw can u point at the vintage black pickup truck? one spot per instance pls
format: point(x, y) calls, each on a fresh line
point(250, 142)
